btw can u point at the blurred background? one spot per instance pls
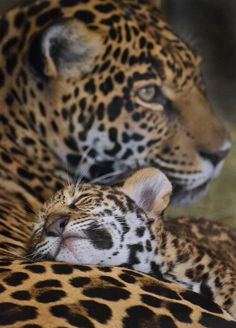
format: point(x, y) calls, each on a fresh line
point(209, 26)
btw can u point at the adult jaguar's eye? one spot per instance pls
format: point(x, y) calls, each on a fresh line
point(147, 93)
point(152, 94)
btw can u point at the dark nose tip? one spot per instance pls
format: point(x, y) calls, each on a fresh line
point(57, 227)
point(214, 158)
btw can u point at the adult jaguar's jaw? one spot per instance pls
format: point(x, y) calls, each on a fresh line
point(182, 196)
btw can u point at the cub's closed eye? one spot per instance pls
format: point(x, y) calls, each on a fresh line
point(151, 94)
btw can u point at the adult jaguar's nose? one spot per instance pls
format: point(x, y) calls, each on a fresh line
point(56, 226)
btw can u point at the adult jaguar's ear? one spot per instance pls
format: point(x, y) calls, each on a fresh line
point(67, 48)
point(150, 189)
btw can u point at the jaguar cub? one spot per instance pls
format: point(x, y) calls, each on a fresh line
point(124, 226)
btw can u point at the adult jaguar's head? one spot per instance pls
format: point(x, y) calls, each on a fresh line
point(92, 224)
point(110, 88)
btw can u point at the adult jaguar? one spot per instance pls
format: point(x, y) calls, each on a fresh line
point(96, 87)
point(91, 224)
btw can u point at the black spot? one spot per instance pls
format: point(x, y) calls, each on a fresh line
point(105, 8)
point(71, 143)
point(161, 291)
point(112, 33)
point(209, 320)
point(48, 283)
point(71, 3)
point(80, 281)
point(180, 312)
point(189, 273)
point(99, 237)
point(83, 268)
point(100, 312)
point(73, 160)
point(11, 62)
point(28, 141)
point(201, 301)
point(2, 289)
point(134, 249)
point(6, 158)
point(206, 290)
point(151, 300)
point(36, 268)
point(9, 100)
point(13, 313)
point(114, 108)
point(105, 66)
point(112, 281)
point(3, 28)
point(138, 316)
point(36, 9)
point(107, 86)
point(112, 132)
point(101, 168)
point(31, 326)
point(110, 294)
point(137, 137)
point(2, 78)
point(64, 113)
point(90, 86)
point(16, 278)
point(19, 20)
point(25, 174)
point(125, 56)
point(48, 16)
point(85, 16)
point(104, 269)
point(73, 318)
point(50, 296)
point(166, 321)
point(62, 268)
point(140, 231)
point(120, 77)
point(21, 295)
point(127, 278)
point(42, 129)
point(111, 20)
point(148, 245)
point(100, 111)
point(42, 109)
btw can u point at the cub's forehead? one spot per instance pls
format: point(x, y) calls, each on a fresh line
point(85, 196)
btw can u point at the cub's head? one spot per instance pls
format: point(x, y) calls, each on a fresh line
point(110, 88)
point(90, 224)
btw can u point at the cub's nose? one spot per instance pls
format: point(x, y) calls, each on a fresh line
point(57, 226)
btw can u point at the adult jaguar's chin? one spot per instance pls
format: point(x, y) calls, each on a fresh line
point(181, 196)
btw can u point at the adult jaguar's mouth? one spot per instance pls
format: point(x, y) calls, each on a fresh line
point(181, 196)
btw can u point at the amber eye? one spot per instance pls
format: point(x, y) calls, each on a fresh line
point(147, 93)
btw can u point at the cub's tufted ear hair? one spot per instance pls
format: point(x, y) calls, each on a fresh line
point(67, 48)
point(150, 189)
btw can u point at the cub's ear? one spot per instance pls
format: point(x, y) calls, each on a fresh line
point(150, 189)
point(67, 49)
